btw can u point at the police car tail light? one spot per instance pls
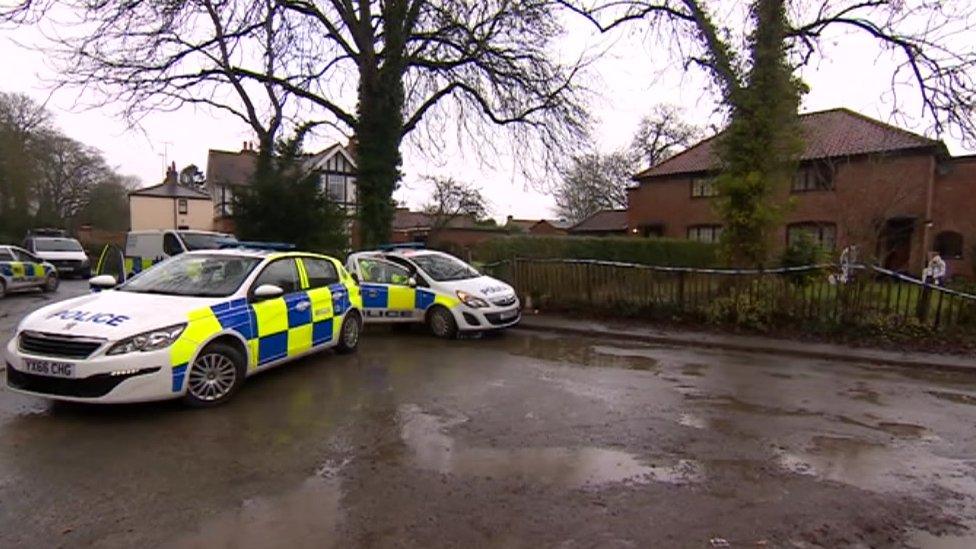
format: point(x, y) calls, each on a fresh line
point(148, 341)
point(471, 300)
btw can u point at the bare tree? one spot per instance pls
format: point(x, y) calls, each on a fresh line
point(593, 182)
point(68, 171)
point(934, 58)
point(662, 134)
point(452, 199)
point(380, 69)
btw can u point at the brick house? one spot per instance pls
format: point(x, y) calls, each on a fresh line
point(550, 227)
point(228, 172)
point(894, 193)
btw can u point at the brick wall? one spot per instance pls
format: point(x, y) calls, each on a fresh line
point(867, 191)
point(955, 209)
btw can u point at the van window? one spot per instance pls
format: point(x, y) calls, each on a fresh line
point(146, 245)
point(171, 246)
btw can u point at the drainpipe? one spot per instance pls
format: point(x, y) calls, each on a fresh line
point(929, 208)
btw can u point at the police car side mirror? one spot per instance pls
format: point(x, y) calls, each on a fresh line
point(268, 291)
point(102, 282)
point(412, 282)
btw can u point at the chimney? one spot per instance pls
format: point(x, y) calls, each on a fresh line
point(245, 146)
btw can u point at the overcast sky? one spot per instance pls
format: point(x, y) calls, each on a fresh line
point(627, 83)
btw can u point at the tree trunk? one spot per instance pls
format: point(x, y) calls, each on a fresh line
point(378, 136)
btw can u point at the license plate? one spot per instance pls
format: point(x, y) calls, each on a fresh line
point(49, 368)
point(508, 314)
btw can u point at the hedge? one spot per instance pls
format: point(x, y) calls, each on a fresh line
point(648, 251)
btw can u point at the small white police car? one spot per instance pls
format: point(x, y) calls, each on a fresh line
point(426, 286)
point(20, 270)
point(193, 326)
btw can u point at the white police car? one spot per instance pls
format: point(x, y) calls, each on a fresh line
point(193, 326)
point(21, 270)
point(426, 286)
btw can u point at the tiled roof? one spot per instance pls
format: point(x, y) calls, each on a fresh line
point(602, 221)
point(170, 188)
point(832, 133)
point(230, 168)
point(404, 219)
point(520, 224)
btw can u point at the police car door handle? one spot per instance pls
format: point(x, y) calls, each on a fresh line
point(302, 306)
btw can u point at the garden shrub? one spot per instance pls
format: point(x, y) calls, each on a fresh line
point(646, 251)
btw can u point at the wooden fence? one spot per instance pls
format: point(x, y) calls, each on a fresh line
point(802, 295)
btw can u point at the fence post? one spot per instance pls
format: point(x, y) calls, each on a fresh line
point(922, 310)
point(589, 283)
point(681, 290)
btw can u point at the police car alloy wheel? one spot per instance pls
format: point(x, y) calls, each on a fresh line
point(441, 323)
point(349, 336)
point(215, 375)
point(51, 284)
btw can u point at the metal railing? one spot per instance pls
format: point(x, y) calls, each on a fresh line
point(815, 294)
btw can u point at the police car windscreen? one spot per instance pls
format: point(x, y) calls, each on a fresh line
point(194, 276)
point(205, 241)
point(443, 267)
point(56, 245)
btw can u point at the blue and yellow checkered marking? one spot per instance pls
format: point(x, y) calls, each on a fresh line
point(136, 264)
point(379, 296)
point(19, 270)
point(273, 329)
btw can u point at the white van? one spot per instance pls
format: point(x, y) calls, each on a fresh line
point(143, 249)
point(66, 254)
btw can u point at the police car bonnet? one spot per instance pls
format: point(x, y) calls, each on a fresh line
point(111, 315)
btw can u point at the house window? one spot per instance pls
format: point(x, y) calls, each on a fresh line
point(182, 206)
point(821, 234)
point(225, 200)
point(949, 245)
point(336, 187)
point(702, 187)
point(818, 176)
point(705, 233)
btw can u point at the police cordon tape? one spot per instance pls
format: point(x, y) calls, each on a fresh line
point(732, 272)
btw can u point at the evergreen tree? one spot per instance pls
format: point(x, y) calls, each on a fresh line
point(759, 150)
point(287, 203)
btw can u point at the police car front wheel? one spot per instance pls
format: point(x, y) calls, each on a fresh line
point(349, 334)
point(441, 323)
point(214, 377)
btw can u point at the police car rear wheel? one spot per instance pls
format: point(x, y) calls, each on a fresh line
point(215, 376)
point(51, 284)
point(441, 323)
point(349, 334)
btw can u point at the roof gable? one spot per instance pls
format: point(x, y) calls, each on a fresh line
point(827, 134)
point(602, 221)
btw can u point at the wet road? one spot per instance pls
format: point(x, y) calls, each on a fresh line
point(514, 441)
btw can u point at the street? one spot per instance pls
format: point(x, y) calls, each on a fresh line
point(511, 440)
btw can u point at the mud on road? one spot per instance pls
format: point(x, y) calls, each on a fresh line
point(522, 440)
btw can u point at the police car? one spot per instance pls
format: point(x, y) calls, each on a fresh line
point(192, 327)
point(21, 270)
point(431, 287)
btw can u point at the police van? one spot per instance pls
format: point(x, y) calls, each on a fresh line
point(408, 285)
point(143, 249)
point(192, 327)
point(21, 270)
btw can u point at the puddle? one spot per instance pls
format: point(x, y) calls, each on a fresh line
point(580, 353)
point(306, 517)
point(693, 421)
point(925, 540)
point(958, 398)
point(904, 430)
point(433, 450)
point(694, 369)
point(877, 467)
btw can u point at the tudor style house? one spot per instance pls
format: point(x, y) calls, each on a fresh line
point(894, 193)
point(229, 172)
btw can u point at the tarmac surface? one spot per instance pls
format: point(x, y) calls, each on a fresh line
point(524, 439)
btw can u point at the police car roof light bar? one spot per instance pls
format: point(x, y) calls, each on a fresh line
point(402, 246)
point(257, 245)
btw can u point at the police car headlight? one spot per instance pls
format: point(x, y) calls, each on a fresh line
point(148, 341)
point(471, 300)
